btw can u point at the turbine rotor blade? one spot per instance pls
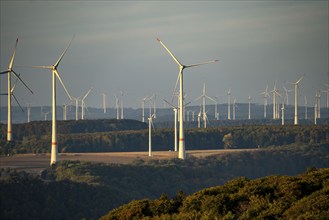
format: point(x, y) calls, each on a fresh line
point(4, 72)
point(203, 63)
point(17, 75)
point(173, 94)
point(172, 55)
point(18, 103)
point(86, 94)
point(300, 79)
point(60, 79)
point(42, 67)
point(61, 57)
point(13, 56)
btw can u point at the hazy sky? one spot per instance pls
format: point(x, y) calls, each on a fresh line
point(115, 48)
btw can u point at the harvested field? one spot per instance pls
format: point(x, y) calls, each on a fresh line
point(34, 163)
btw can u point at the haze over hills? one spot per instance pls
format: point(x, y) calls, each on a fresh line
point(164, 114)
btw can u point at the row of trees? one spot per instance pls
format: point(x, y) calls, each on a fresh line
point(247, 136)
point(275, 197)
point(76, 190)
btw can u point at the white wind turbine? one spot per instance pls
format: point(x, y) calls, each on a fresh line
point(65, 112)
point(143, 108)
point(249, 102)
point(182, 154)
point(55, 74)
point(175, 109)
point(265, 93)
point(104, 102)
point(318, 102)
point(117, 106)
point(229, 104)
point(282, 113)
point(204, 96)
point(122, 94)
point(150, 120)
point(199, 118)
point(28, 113)
point(9, 92)
point(83, 104)
point(315, 112)
point(296, 84)
point(77, 99)
point(286, 96)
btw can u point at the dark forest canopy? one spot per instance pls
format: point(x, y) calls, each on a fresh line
point(110, 135)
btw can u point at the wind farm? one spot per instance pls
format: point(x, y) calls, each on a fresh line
point(133, 119)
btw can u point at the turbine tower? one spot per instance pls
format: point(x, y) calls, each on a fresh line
point(28, 113)
point(9, 92)
point(249, 102)
point(182, 154)
point(305, 103)
point(150, 119)
point(228, 104)
point(64, 112)
point(117, 106)
point(55, 74)
point(104, 102)
point(296, 84)
point(234, 106)
point(83, 104)
point(318, 102)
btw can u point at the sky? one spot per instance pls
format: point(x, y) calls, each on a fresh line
point(115, 49)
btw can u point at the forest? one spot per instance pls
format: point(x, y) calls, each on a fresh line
point(77, 190)
point(109, 135)
point(304, 196)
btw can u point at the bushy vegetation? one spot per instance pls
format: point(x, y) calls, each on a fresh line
point(76, 190)
point(130, 135)
point(274, 197)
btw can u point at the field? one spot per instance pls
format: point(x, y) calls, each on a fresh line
point(34, 163)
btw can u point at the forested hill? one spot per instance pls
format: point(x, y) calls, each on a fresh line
point(77, 190)
point(40, 128)
point(274, 197)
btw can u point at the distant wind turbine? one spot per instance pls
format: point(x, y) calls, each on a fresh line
point(228, 104)
point(104, 102)
point(249, 102)
point(305, 103)
point(83, 104)
point(182, 154)
point(175, 109)
point(143, 108)
point(296, 84)
point(265, 93)
point(53, 68)
point(204, 96)
point(9, 92)
point(318, 102)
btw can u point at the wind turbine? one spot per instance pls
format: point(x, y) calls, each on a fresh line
point(315, 112)
point(104, 102)
point(83, 104)
point(287, 94)
point(9, 92)
point(117, 106)
point(28, 113)
point(282, 109)
point(199, 118)
point(318, 102)
point(122, 94)
point(204, 96)
point(55, 74)
point(175, 109)
point(249, 102)
point(296, 84)
point(77, 99)
point(143, 108)
point(265, 93)
point(64, 112)
point(228, 104)
point(182, 154)
point(150, 119)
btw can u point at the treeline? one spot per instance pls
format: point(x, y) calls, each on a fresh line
point(76, 190)
point(274, 197)
point(246, 136)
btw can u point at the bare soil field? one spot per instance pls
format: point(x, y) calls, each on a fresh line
point(35, 163)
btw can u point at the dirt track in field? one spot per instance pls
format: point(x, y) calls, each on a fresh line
point(34, 163)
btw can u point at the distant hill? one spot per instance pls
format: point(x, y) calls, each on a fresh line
point(304, 196)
